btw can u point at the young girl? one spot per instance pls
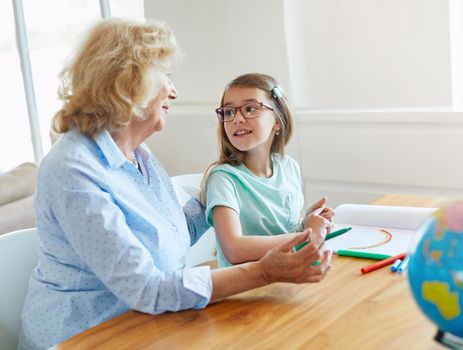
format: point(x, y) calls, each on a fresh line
point(253, 192)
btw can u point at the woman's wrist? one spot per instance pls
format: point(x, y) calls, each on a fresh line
point(258, 271)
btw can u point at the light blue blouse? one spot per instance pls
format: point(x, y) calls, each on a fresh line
point(110, 239)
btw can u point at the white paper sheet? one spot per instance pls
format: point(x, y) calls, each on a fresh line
point(368, 221)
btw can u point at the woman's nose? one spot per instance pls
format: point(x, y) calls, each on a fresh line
point(173, 91)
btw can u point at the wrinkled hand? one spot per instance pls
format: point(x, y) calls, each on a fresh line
point(282, 264)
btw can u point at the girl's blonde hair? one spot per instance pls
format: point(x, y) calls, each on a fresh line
point(113, 75)
point(228, 154)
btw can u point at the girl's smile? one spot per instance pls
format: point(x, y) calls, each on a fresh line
point(242, 132)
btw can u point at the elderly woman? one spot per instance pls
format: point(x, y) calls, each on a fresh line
point(112, 234)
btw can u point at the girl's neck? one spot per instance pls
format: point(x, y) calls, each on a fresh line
point(260, 165)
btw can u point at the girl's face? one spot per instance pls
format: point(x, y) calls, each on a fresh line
point(250, 135)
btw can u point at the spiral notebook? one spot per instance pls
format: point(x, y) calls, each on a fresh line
point(376, 229)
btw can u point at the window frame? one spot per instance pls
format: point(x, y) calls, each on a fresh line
point(26, 72)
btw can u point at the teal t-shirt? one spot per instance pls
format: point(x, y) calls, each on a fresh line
point(266, 206)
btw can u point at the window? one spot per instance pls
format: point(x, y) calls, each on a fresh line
point(15, 134)
point(127, 9)
point(50, 43)
point(53, 28)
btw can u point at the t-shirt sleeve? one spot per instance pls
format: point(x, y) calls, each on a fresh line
point(220, 191)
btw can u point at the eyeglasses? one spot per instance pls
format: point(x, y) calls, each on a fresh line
point(248, 110)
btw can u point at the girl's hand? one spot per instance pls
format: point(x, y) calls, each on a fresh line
point(282, 264)
point(318, 224)
point(320, 208)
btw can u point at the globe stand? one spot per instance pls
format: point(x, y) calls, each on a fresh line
point(449, 340)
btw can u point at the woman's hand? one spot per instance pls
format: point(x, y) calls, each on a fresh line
point(279, 264)
point(282, 264)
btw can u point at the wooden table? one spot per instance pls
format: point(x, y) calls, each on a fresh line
point(345, 311)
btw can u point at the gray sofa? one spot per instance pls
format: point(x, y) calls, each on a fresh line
point(17, 188)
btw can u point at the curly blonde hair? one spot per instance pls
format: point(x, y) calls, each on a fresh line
point(113, 75)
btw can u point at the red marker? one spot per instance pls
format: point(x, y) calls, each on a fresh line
point(382, 263)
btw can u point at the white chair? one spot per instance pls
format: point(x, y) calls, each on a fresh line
point(202, 251)
point(18, 257)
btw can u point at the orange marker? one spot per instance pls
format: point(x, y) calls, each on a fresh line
point(382, 263)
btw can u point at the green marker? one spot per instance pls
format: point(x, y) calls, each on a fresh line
point(328, 236)
point(363, 255)
point(337, 233)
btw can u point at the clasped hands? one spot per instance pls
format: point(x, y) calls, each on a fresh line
point(284, 264)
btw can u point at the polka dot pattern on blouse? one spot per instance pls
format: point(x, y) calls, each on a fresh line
point(111, 238)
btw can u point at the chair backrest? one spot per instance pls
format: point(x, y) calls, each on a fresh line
point(18, 257)
point(203, 251)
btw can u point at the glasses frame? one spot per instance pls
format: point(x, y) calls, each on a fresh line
point(220, 115)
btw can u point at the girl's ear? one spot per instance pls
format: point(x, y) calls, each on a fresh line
point(277, 126)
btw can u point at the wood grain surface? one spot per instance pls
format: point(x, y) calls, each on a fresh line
point(347, 310)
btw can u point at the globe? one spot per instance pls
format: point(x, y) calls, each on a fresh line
point(436, 268)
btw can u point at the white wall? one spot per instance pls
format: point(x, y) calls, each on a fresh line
point(221, 40)
point(366, 154)
point(374, 83)
point(368, 53)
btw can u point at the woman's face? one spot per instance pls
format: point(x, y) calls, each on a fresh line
point(158, 108)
